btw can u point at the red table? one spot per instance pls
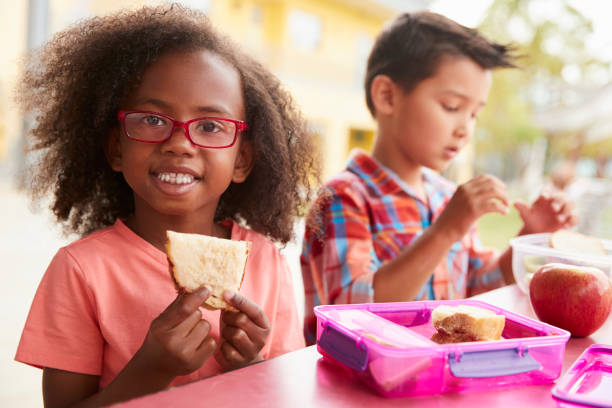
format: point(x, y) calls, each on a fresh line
point(303, 379)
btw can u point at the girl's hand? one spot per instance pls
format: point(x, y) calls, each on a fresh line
point(480, 195)
point(243, 333)
point(178, 341)
point(548, 213)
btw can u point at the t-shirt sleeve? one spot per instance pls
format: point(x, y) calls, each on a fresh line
point(338, 259)
point(484, 273)
point(62, 329)
point(286, 334)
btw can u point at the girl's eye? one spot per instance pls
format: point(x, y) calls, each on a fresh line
point(152, 120)
point(450, 108)
point(209, 126)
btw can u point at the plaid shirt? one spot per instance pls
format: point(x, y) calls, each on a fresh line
point(366, 218)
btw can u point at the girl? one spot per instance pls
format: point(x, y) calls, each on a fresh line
point(148, 121)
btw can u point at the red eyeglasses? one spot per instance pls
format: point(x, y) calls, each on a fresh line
point(207, 132)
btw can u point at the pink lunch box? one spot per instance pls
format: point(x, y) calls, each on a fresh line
point(387, 346)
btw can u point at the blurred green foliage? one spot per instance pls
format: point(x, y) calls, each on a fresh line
point(546, 45)
point(496, 230)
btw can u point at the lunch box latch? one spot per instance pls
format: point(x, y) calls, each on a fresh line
point(343, 348)
point(491, 363)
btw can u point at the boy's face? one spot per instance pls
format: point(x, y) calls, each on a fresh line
point(176, 177)
point(430, 124)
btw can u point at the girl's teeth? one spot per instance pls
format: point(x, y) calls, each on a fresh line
point(175, 178)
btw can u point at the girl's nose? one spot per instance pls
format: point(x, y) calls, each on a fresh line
point(179, 142)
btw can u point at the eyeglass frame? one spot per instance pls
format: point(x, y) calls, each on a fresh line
point(240, 126)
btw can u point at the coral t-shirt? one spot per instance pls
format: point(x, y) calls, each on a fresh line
point(94, 305)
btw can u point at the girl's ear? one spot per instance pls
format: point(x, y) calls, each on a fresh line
point(112, 150)
point(244, 162)
point(383, 93)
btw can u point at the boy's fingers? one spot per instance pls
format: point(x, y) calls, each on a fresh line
point(497, 206)
point(521, 207)
point(491, 189)
point(251, 309)
point(572, 221)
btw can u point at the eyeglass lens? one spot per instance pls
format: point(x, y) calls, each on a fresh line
point(205, 132)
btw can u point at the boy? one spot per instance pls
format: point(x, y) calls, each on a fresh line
point(389, 227)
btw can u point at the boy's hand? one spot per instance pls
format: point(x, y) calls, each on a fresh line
point(243, 333)
point(480, 195)
point(548, 213)
point(178, 341)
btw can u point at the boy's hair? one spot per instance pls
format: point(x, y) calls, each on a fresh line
point(409, 50)
point(74, 85)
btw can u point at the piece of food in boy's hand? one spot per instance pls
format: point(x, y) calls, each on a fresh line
point(200, 260)
point(571, 241)
point(456, 324)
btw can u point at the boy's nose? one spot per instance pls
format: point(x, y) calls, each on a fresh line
point(465, 128)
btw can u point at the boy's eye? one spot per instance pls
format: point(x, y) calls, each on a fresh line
point(450, 108)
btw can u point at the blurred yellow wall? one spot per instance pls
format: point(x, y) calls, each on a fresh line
point(13, 21)
point(318, 48)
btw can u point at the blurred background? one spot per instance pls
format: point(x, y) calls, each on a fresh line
point(546, 124)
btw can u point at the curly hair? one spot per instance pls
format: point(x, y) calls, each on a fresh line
point(73, 87)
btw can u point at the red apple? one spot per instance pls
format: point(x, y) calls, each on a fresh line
point(575, 298)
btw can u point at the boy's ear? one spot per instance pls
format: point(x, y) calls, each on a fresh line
point(382, 92)
point(112, 150)
point(244, 162)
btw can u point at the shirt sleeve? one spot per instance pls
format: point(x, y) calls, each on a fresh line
point(62, 329)
point(484, 273)
point(338, 260)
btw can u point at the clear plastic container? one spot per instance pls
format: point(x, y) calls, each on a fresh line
point(529, 252)
point(387, 346)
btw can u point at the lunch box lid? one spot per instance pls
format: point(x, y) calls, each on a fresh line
point(589, 380)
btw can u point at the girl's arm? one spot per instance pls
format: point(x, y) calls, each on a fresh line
point(68, 389)
point(178, 343)
point(402, 278)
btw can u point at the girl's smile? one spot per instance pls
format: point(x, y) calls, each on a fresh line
point(176, 180)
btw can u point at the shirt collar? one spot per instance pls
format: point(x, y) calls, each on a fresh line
point(383, 180)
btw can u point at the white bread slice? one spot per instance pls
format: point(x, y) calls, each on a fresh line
point(466, 323)
point(199, 260)
point(571, 241)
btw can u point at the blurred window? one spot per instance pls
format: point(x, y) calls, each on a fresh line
point(363, 45)
point(361, 138)
point(305, 30)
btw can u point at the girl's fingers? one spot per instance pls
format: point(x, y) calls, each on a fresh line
point(206, 348)
point(232, 355)
point(198, 334)
point(246, 306)
point(241, 341)
point(184, 306)
point(187, 325)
